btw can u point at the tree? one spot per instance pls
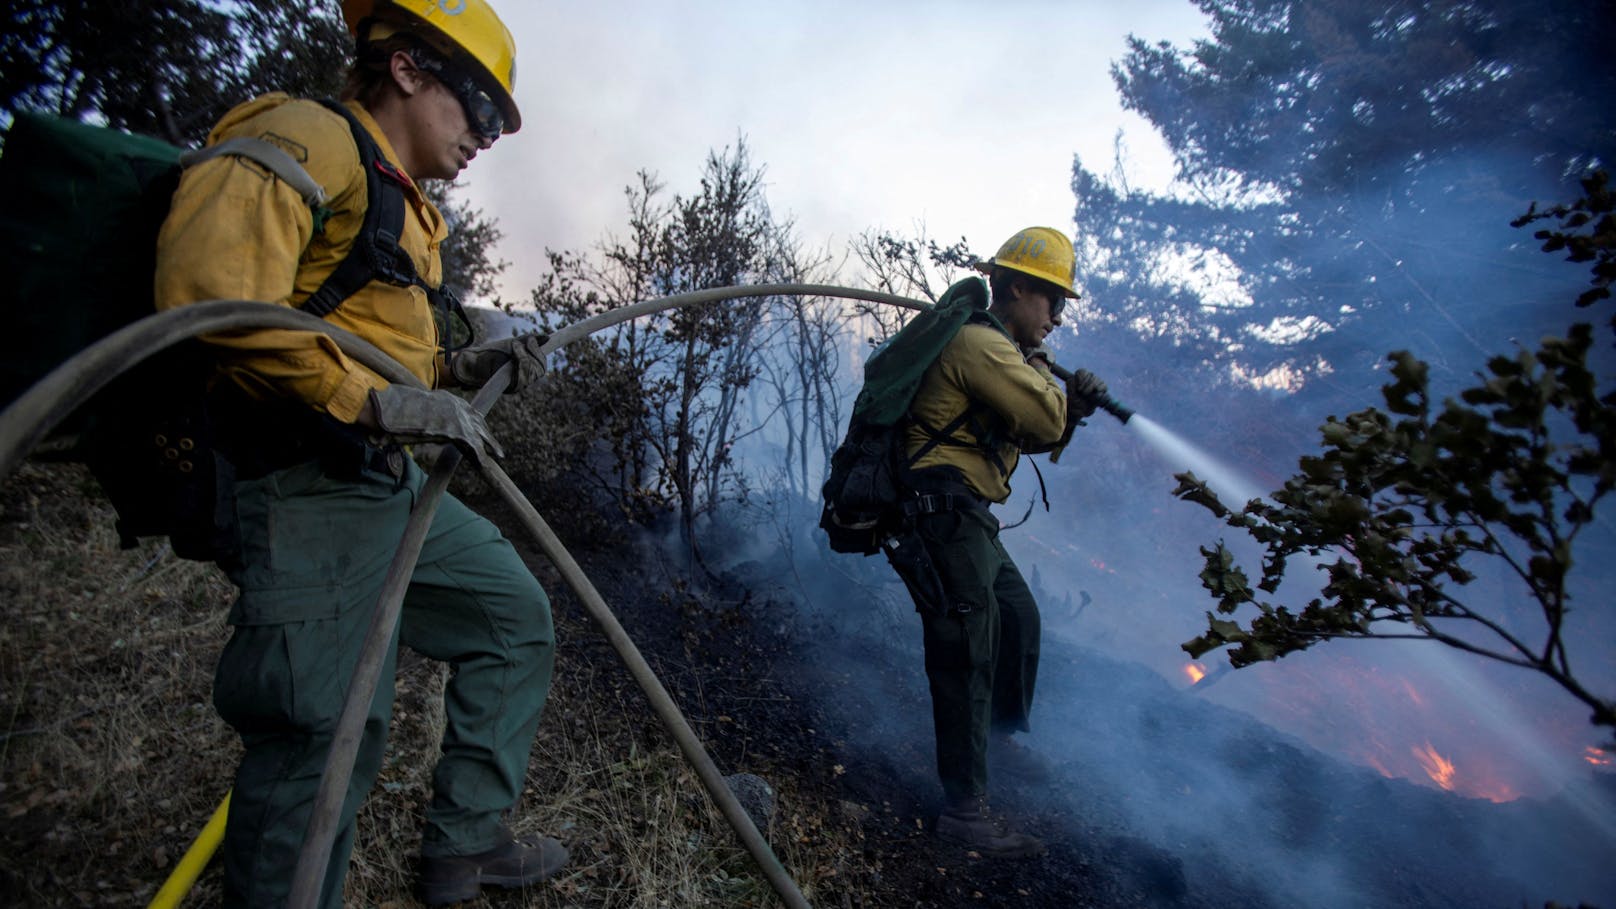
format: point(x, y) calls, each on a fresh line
point(166, 68)
point(915, 267)
point(1338, 164)
point(172, 68)
point(673, 434)
point(1408, 500)
point(801, 369)
point(469, 266)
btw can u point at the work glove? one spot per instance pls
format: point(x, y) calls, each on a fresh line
point(474, 366)
point(417, 415)
point(1084, 391)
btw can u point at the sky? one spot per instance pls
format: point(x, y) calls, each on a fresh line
point(964, 117)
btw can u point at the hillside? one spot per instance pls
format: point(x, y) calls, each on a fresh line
point(112, 755)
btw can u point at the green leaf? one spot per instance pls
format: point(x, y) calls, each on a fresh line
point(1192, 489)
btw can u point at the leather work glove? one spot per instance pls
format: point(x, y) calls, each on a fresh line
point(474, 366)
point(1084, 391)
point(417, 415)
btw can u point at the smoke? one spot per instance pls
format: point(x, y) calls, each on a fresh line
point(1258, 785)
point(1300, 781)
point(1317, 780)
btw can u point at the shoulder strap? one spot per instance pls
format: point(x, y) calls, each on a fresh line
point(376, 254)
point(267, 154)
point(936, 437)
point(945, 436)
point(967, 418)
point(270, 156)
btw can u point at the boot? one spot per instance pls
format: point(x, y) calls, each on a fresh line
point(971, 823)
point(519, 862)
point(1006, 755)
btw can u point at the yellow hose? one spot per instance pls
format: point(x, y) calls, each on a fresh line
point(195, 859)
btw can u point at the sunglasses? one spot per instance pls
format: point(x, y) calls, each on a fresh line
point(482, 111)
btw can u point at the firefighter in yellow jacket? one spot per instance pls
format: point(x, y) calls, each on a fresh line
point(323, 486)
point(980, 624)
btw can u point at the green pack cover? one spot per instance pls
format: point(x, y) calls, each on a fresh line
point(78, 233)
point(84, 205)
point(893, 373)
point(865, 486)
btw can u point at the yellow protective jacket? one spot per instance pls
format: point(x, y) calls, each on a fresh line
point(236, 232)
point(1022, 407)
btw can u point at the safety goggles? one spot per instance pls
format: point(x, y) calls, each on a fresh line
point(482, 111)
point(1057, 301)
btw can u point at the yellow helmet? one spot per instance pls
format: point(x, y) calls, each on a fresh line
point(1043, 252)
point(468, 30)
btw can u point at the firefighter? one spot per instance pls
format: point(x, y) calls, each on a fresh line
point(981, 635)
point(323, 485)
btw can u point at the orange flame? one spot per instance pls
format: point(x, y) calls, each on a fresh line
point(1439, 768)
point(1413, 693)
point(1598, 757)
point(1195, 671)
point(1376, 763)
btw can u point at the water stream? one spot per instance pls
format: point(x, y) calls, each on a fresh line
point(1180, 454)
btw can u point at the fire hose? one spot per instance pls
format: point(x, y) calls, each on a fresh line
point(31, 417)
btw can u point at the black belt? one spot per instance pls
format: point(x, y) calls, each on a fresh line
point(260, 438)
point(938, 502)
point(939, 489)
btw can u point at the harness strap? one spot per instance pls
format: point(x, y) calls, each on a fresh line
point(936, 437)
point(270, 156)
point(376, 254)
point(945, 436)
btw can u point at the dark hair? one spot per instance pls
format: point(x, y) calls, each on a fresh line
point(372, 67)
point(1001, 280)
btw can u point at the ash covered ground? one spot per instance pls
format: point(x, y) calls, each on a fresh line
point(1162, 799)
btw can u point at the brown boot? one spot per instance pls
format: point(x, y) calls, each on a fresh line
point(971, 823)
point(518, 863)
point(1009, 756)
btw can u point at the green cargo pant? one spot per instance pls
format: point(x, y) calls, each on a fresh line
point(314, 553)
point(981, 648)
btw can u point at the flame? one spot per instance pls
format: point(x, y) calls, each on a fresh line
point(1598, 757)
point(1413, 693)
point(1439, 768)
point(1195, 671)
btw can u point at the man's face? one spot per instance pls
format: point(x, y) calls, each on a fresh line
point(441, 135)
point(1033, 313)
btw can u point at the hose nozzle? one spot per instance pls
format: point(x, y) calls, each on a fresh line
point(1115, 408)
point(1105, 402)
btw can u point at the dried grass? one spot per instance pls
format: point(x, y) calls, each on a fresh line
point(112, 756)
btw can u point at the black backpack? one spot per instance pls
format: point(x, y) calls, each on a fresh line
point(867, 485)
point(85, 204)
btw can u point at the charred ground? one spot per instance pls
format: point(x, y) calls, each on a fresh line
point(828, 701)
point(112, 757)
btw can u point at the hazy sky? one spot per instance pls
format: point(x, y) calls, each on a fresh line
point(865, 114)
